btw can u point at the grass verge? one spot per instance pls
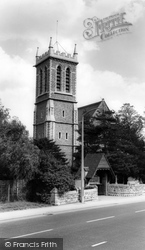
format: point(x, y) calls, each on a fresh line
point(20, 205)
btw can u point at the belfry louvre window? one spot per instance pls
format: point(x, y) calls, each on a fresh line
point(58, 79)
point(45, 86)
point(67, 80)
point(41, 82)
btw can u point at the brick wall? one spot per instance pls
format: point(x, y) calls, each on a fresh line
point(67, 115)
point(65, 130)
point(41, 112)
point(40, 131)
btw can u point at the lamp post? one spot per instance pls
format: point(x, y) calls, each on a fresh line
point(82, 151)
point(82, 161)
point(82, 156)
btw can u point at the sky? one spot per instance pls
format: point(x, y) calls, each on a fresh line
point(113, 69)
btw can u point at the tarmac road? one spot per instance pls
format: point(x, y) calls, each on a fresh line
point(116, 227)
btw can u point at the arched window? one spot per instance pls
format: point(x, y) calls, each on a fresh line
point(41, 82)
point(46, 79)
point(58, 79)
point(67, 80)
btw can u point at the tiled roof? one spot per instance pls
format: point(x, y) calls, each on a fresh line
point(92, 108)
point(96, 162)
point(86, 108)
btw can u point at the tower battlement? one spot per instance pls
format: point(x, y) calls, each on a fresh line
point(57, 54)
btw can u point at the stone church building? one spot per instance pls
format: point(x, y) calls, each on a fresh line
point(55, 114)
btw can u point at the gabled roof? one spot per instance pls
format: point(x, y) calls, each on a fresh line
point(93, 108)
point(96, 162)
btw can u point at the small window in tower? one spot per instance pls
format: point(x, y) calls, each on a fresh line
point(41, 115)
point(45, 86)
point(63, 113)
point(58, 79)
point(41, 82)
point(59, 135)
point(66, 136)
point(67, 80)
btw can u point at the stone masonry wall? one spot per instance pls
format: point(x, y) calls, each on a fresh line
point(91, 194)
point(72, 196)
point(66, 198)
point(125, 190)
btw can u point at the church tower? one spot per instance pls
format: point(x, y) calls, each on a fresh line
point(55, 115)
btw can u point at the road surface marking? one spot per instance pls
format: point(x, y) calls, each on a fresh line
point(105, 218)
point(139, 211)
point(98, 244)
point(25, 235)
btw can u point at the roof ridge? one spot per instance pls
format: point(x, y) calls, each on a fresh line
point(92, 104)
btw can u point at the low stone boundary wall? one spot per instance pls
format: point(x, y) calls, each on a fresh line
point(125, 190)
point(72, 196)
point(89, 194)
point(68, 197)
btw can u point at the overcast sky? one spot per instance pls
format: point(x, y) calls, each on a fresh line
point(112, 69)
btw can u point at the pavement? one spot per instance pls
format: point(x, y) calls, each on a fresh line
point(103, 201)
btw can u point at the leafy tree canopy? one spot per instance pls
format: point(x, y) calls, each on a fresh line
point(53, 171)
point(120, 137)
point(18, 154)
point(49, 146)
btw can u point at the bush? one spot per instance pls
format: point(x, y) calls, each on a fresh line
point(53, 171)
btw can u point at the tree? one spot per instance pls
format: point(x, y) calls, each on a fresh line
point(49, 146)
point(130, 117)
point(41, 162)
point(18, 154)
point(129, 148)
point(97, 135)
point(53, 171)
point(119, 136)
